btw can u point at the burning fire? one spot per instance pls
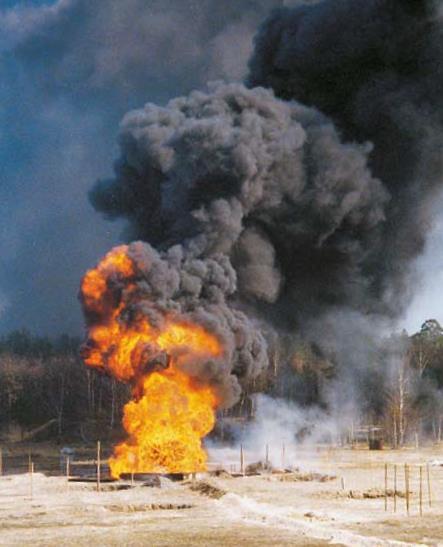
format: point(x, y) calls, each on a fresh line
point(171, 411)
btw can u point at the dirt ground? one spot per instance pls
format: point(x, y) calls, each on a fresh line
point(306, 507)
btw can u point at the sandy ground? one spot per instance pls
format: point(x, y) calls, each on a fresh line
point(256, 510)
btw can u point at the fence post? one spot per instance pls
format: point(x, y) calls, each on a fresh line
point(242, 460)
point(31, 477)
point(429, 484)
point(407, 487)
point(98, 466)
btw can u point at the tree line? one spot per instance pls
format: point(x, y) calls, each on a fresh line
point(45, 389)
point(44, 382)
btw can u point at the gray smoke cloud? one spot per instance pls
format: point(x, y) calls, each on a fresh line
point(70, 69)
point(125, 49)
point(320, 209)
point(197, 290)
point(265, 182)
point(262, 185)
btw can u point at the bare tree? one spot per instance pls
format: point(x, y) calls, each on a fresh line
point(397, 356)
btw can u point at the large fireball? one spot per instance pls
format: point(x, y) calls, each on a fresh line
point(171, 410)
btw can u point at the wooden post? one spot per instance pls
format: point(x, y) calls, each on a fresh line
point(386, 486)
point(98, 466)
point(267, 456)
point(407, 487)
point(428, 475)
point(395, 488)
point(1, 462)
point(132, 459)
point(283, 454)
point(242, 460)
point(31, 477)
point(421, 491)
point(68, 472)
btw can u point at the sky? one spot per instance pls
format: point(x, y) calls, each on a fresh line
point(69, 71)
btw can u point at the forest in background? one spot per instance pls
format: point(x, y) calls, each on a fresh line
point(47, 393)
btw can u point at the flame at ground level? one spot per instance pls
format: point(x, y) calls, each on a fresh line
point(171, 411)
point(165, 427)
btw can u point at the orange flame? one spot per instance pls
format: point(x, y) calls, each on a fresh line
point(171, 411)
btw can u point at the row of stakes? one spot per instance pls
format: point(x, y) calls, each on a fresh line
point(31, 469)
point(408, 493)
point(407, 469)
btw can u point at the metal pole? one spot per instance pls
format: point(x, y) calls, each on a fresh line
point(242, 460)
point(421, 491)
point(386, 486)
point(395, 488)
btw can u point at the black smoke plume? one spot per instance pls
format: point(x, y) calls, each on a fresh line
point(317, 208)
point(374, 67)
point(262, 186)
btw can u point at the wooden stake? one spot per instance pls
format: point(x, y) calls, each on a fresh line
point(31, 477)
point(68, 472)
point(428, 476)
point(267, 456)
point(132, 478)
point(407, 487)
point(283, 453)
point(386, 486)
point(1, 462)
point(395, 488)
point(98, 466)
point(421, 491)
point(242, 461)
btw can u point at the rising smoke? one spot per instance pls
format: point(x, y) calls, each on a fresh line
point(263, 186)
point(375, 68)
point(316, 211)
point(267, 183)
point(70, 69)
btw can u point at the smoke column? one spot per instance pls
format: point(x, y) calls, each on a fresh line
point(315, 211)
point(375, 68)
